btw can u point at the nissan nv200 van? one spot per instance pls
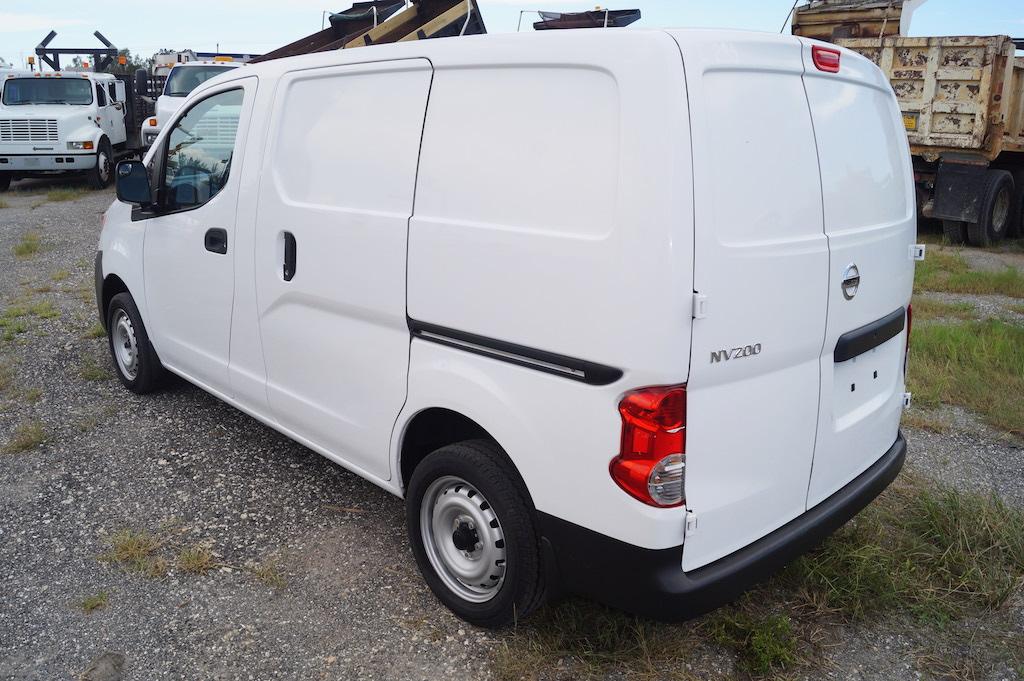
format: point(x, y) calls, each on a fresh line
point(618, 313)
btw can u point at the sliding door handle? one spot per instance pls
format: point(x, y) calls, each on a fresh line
point(216, 240)
point(289, 256)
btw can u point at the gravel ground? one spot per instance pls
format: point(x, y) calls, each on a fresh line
point(338, 595)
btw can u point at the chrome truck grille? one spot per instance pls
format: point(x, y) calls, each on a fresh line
point(28, 130)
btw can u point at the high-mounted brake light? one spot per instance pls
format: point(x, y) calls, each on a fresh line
point(652, 454)
point(825, 59)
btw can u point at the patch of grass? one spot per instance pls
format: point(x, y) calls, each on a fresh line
point(932, 552)
point(269, 573)
point(45, 310)
point(927, 309)
point(764, 644)
point(196, 559)
point(28, 435)
point(923, 420)
point(60, 275)
point(1019, 309)
point(950, 272)
point(95, 602)
point(95, 331)
point(6, 377)
point(4, 204)
point(136, 551)
point(29, 244)
point(66, 194)
point(33, 395)
point(978, 365)
point(93, 371)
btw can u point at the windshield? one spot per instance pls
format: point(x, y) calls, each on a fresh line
point(47, 91)
point(185, 79)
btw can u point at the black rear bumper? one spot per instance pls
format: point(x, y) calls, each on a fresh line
point(651, 582)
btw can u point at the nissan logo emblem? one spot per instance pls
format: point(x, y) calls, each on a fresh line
point(851, 281)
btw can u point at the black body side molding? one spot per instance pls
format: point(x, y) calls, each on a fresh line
point(859, 341)
point(541, 360)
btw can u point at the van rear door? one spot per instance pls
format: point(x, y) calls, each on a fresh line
point(869, 212)
point(761, 264)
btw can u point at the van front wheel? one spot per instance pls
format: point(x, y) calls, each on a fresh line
point(136, 362)
point(474, 534)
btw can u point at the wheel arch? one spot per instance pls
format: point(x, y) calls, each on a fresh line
point(112, 285)
point(431, 428)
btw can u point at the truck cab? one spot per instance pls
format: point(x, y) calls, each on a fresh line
point(60, 122)
point(181, 81)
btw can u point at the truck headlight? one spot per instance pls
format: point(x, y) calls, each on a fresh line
point(79, 145)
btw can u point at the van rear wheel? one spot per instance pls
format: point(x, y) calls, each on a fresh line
point(474, 535)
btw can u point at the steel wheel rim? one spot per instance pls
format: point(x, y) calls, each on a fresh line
point(1001, 211)
point(104, 165)
point(453, 515)
point(126, 348)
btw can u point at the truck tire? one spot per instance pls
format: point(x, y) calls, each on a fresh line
point(5, 181)
point(135, 360)
point(996, 210)
point(1017, 224)
point(955, 231)
point(99, 176)
point(474, 534)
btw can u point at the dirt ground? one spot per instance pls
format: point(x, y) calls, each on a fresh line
point(312, 576)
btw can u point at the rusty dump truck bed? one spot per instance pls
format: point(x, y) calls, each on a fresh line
point(959, 95)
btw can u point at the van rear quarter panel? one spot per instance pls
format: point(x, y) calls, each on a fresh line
point(554, 210)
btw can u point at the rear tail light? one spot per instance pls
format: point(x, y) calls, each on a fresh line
point(651, 465)
point(825, 59)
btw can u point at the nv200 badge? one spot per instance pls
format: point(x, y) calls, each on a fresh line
point(735, 353)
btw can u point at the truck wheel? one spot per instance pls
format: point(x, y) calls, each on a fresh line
point(99, 177)
point(996, 210)
point(1017, 223)
point(5, 181)
point(474, 535)
point(955, 231)
point(136, 362)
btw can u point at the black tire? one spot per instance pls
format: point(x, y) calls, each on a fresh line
point(996, 210)
point(100, 175)
point(1017, 224)
point(5, 181)
point(484, 467)
point(955, 231)
point(149, 372)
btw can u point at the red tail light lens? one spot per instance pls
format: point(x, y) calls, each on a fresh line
point(652, 453)
point(825, 59)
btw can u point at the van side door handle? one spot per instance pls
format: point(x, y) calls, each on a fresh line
point(289, 256)
point(216, 240)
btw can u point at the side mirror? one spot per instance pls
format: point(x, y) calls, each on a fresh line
point(133, 183)
point(141, 82)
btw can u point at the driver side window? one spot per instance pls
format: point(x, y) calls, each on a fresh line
point(199, 151)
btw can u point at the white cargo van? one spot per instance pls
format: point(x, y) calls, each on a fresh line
point(619, 313)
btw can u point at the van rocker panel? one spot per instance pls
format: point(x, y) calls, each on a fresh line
point(651, 583)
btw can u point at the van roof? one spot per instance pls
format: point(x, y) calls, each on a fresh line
point(493, 48)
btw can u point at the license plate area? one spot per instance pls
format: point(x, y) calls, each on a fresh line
point(865, 383)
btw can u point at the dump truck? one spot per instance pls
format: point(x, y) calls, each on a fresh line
point(962, 99)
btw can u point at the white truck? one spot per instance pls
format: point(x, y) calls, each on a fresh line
point(60, 122)
point(180, 81)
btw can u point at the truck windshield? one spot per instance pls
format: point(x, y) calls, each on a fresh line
point(47, 91)
point(185, 79)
